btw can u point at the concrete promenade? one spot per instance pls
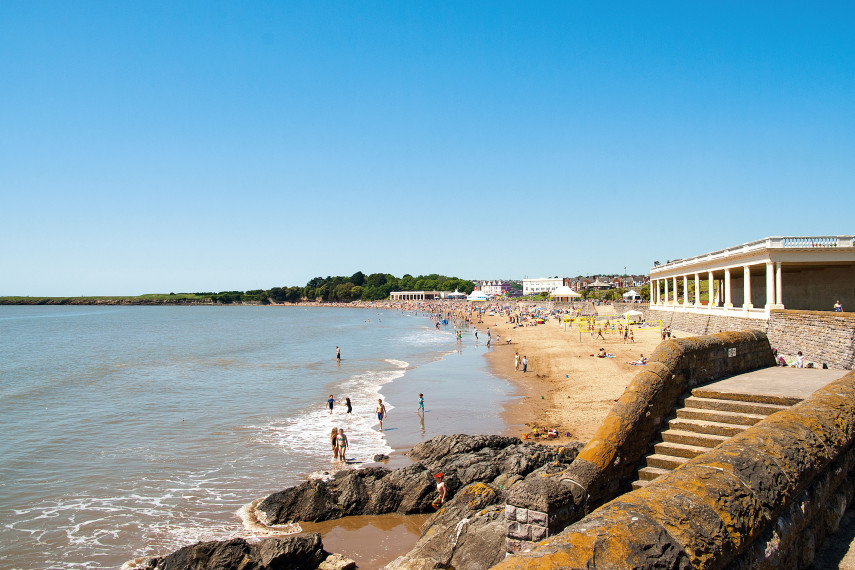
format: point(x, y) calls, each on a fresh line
point(790, 385)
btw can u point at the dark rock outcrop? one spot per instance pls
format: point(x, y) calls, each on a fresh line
point(498, 460)
point(305, 551)
point(467, 532)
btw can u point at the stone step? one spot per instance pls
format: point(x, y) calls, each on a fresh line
point(651, 473)
point(669, 462)
point(761, 398)
point(692, 438)
point(640, 484)
point(718, 416)
point(679, 449)
point(706, 426)
point(732, 406)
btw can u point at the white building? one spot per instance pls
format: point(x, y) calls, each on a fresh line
point(542, 285)
point(749, 280)
point(495, 288)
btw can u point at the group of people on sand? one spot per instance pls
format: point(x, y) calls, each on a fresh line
point(518, 361)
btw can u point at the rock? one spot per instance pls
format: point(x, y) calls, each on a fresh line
point(467, 532)
point(337, 562)
point(463, 459)
point(305, 551)
point(381, 457)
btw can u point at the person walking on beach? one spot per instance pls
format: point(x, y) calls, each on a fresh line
point(525, 363)
point(381, 412)
point(334, 442)
point(421, 409)
point(517, 361)
point(341, 443)
point(337, 353)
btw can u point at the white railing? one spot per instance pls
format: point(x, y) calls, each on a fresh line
point(819, 241)
point(766, 243)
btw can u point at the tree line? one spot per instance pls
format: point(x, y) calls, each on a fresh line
point(357, 287)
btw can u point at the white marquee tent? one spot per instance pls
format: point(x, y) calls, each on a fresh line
point(477, 296)
point(631, 294)
point(564, 293)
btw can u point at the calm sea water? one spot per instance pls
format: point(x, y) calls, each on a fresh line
point(132, 431)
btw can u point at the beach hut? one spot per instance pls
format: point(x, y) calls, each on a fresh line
point(564, 293)
point(477, 296)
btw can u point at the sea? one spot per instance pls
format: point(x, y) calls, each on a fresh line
point(130, 431)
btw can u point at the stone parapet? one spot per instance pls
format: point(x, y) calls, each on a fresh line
point(765, 498)
point(605, 466)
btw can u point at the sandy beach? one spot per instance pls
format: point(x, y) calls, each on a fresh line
point(566, 387)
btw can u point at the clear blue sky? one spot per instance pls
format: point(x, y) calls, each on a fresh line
point(196, 146)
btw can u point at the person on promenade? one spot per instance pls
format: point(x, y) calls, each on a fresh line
point(348, 404)
point(421, 409)
point(381, 412)
point(517, 361)
point(525, 363)
point(800, 360)
point(337, 353)
point(341, 443)
point(838, 308)
point(334, 442)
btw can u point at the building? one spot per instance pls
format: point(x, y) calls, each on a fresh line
point(542, 285)
point(495, 288)
point(749, 280)
point(416, 295)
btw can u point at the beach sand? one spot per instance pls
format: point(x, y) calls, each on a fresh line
point(566, 387)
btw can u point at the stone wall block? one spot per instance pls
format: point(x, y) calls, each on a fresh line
point(537, 518)
point(510, 513)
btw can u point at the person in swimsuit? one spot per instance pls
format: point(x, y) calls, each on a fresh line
point(441, 491)
point(341, 443)
point(331, 403)
point(337, 353)
point(381, 412)
point(334, 442)
point(349, 406)
point(421, 409)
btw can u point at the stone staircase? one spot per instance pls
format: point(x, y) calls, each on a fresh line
point(704, 420)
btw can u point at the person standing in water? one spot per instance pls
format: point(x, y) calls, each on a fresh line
point(334, 442)
point(341, 443)
point(421, 409)
point(337, 353)
point(349, 406)
point(331, 402)
point(381, 412)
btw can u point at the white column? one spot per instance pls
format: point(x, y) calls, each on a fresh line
point(779, 289)
point(685, 291)
point(674, 279)
point(746, 288)
point(727, 302)
point(711, 290)
point(666, 291)
point(697, 289)
point(770, 285)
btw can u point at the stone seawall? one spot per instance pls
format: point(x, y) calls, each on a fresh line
point(765, 498)
point(605, 466)
point(824, 337)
